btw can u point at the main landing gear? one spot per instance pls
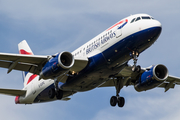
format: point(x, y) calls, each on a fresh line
point(118, 82)
point(55, 92)
point(134, 55)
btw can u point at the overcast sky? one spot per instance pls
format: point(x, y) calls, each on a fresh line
point(54, 26)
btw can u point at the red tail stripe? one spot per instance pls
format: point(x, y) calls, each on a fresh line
point(31, 78)
point(25, 52)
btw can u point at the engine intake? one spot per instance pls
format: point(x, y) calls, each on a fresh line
point(160, 72)
point(58, 65)
point(151, 78)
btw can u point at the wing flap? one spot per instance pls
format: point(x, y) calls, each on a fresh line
point(13, 92)
point(164, 85)
point(20, 66)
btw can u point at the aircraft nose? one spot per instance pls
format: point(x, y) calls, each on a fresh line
point(155, 31)
point(156, 23)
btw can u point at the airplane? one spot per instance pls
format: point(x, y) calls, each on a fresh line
point(101, 62)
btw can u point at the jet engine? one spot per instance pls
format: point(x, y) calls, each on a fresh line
point(57, 66)
point(151, 78)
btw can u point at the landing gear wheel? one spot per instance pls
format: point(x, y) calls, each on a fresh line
point(51, 93)
point(136, 68)
point(121, 101)
point(113, 101)
point(59, 94)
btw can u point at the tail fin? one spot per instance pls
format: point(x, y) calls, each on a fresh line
point(25, 49)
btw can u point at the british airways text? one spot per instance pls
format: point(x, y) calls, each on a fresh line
point(99, 42)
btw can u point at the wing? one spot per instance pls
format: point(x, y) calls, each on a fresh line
point(129, 78)
point(33, 63)
point(12, 92)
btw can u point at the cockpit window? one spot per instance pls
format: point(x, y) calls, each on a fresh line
point(145, 17)
point(138, 18)
point(142, 17)
point(133, 20)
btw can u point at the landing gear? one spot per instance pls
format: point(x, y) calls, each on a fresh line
point(113, 101)
point(59, 94)
point(51, 93)
point(136, 68)
point(121, 101)
point(134, 55)
point(117, 100)
point(119, 83)
point(55, 92)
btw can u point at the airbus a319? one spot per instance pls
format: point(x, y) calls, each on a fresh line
point(101, 62)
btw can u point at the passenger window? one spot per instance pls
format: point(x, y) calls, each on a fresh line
point(138, 18)
point(133, 20)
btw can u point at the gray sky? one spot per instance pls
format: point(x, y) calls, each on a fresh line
point(53, 26)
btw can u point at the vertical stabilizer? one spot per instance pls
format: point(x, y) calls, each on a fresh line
point(25, 49)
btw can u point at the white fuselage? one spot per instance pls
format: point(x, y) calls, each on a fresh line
point(97, 45)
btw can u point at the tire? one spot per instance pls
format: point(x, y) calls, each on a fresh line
point(121, 101)
point(138, 68)
point(113, 101)
point(59, 94)
point(51, 93)
point(134, 68)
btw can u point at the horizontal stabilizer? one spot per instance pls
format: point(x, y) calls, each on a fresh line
point(12, 92)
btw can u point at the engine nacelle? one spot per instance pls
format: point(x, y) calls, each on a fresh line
point(57, 65)
point(151, 78)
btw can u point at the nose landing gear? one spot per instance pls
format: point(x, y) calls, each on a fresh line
point(134, 55)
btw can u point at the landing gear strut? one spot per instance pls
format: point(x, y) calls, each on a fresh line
point(55, 92)
point(134, 55)
point(118, 82)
